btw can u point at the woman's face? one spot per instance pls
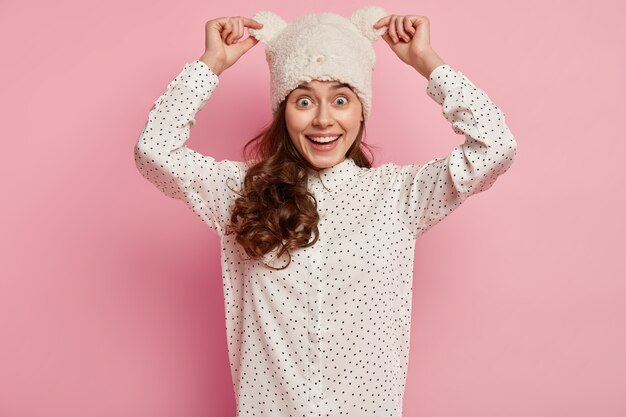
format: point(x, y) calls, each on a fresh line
point(323, 108)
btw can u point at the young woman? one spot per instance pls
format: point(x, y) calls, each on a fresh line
point(318, 245)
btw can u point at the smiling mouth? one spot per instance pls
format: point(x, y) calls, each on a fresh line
point(325, 141)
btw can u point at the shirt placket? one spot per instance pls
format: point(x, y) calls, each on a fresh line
point(315, 279)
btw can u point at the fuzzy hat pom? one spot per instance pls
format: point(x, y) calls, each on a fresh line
point(272, 25)
point(365, 18)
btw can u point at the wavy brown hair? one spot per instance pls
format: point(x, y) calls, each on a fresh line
point(274, 209)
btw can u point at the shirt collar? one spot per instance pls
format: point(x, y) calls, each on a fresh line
point(336, 175)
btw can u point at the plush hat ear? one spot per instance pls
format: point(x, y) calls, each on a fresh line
point(272, 25)
point(365, 18)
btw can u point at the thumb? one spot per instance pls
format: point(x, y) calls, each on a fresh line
point(387, 38)
point(248, 43)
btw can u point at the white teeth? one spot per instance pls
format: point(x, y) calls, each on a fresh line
point(323, 139)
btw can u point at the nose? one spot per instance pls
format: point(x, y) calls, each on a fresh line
point(323, 116)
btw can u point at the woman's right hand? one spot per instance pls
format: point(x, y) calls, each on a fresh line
point(222, 46)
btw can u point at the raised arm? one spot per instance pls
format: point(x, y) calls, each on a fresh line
point(207, 186)
point(431, 191)
point(176, 170)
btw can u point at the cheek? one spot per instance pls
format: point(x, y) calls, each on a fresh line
point(296, 121)
point(352, 120)
point(293, 127)
point(353, 116)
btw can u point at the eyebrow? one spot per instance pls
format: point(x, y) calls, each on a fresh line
point(334, 87)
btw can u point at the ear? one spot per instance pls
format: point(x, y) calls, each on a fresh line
point(272, 25)
point(365, 18)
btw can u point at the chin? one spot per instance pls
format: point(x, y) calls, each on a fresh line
point(326, 162)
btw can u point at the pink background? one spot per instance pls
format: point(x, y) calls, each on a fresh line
point(111, 295)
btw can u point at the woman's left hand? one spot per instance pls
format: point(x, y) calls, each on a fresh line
point(409, 37)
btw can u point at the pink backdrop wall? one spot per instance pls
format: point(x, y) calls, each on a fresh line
point(110, 293)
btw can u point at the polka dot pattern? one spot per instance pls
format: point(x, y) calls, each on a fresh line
point(329, 335)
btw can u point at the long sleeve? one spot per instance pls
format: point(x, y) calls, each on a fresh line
point(176, 170)
point(431, 191)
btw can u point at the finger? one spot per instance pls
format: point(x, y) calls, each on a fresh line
point(228, 28)
point(400, 29)
point(251, 23)
point(239, 30)
point(233, 34)
point(408, 26)
point(382, 22)
point(392, 29)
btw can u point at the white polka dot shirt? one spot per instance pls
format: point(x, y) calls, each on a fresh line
point(329, 335)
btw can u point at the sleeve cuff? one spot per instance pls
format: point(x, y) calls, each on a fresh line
point(441, 80)
point(202, 67)
point(196, 77)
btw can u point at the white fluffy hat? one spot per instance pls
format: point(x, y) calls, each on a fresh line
point(325, 47)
